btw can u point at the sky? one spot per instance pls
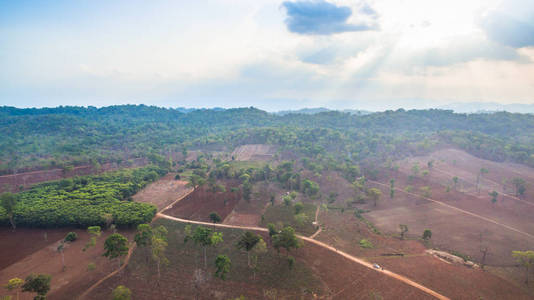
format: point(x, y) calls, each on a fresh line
point(275, 55)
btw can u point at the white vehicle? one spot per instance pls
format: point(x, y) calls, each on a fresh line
point(376, 266)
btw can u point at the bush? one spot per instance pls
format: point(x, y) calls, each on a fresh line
point(71, 237)
point(366, 244)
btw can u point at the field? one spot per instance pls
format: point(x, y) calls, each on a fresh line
point(13, 182)
point(163, 192)
point(318, 273)
point(21, 258)
point(253, 152)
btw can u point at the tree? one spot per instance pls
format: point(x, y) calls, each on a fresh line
point(374, 194)
point(525, 259)
point(259, 249)
point(215, 218)
point(8, 201)
point(272, 230)
point(285, 239)
point(247, 241)
point(392, 188)
point(415, 169)
point(37, 283)
point(287, 200)
point(121, 293)
point(14, 284)
point(115, 246)
point(143, 238)
point(94, 232)
point(204, 237)
point(298, 207)
point(494, 195)
point(427, 234)
point(159, 245)
point(61, 249)
point(427, 193)
point(430, 164)
point(455, 180)
point(223, 264)
point(403, 229)
point(519, 184)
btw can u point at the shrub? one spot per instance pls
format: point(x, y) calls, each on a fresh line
point(71, 237)
point(365, 244)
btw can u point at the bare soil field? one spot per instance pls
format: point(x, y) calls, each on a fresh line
point(14, 181)
point(317, 274)
point(76, 277)
point(163, 191)
point(344, 231)
point(201, 202)
point(253, 152)
point(27, 241)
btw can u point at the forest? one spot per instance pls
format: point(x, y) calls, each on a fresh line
point(63, 137)
point(85, 201)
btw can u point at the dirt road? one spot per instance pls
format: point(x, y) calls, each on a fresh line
point(321, 244)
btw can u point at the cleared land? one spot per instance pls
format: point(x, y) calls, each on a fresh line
point(259, 152)
point(163, 191)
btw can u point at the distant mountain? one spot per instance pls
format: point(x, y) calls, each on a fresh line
point(186, 110)
point(489, 107)
point(313, 111)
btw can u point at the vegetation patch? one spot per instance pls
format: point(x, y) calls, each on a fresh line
point(86, 201)
point(283, 215)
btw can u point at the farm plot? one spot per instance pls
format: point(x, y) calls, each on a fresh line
point(201, 202)
point(163, 192)
point(259, 152)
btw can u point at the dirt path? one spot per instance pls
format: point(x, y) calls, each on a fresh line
point(316, 223)
point(130, 251)
point(320, 244)
point(458, 209)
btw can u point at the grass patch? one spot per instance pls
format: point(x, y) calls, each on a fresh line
point(245, 164)
point(285, 216)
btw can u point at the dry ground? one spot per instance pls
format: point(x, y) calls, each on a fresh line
point(257, 152)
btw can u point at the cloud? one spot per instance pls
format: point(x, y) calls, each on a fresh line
point(321, 18)
point(512, 24)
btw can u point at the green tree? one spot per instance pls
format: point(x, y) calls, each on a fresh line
point(494, 196)
point(455, 181)
point(285, 239)
point(374, 194)
point(247, 241)
point(121, 293)
point(215, 218)
point(427, 234)
point(71, 237)
point(14, 284)
point(116, 246)
point(272, 230)
point(223, 264)
point(143, 238)
point(204, 237)
point(519, 184)
point(94, 232)
point(159, 246)
point(8, 201)
point(259, 249)
point(298, 207)
point(287, 200)
point(37, 283)
point(403, 230)
point(525, 259)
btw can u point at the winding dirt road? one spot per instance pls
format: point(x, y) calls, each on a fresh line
point(320, 244)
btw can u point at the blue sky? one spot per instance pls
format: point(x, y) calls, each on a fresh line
point(375, 54)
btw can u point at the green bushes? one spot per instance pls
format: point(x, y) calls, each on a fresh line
point(71, 237)
point(84, 201)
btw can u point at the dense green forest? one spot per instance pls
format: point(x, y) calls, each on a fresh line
point(86, 201)
point(55, 137)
